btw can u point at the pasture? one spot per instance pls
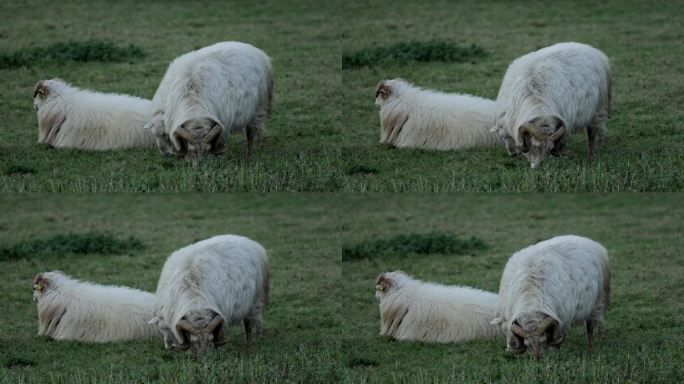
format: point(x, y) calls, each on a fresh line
point(300, 151)
point(323, 134)
point(323, 321)
point(644, 149)
point(644, 332)
point(302, 323)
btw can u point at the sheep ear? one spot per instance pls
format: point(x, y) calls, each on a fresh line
point(496, 321)
point(41, 89)
point(383, 89)
point(154, 320)
point(40, 282)
point(383, 282)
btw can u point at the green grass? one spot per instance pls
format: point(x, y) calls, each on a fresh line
point(406, 53)
point(324, 129)
point(415, 243)
point(301, 148)
point(323, 322)
point(644, 331)
point(82, 51)
point(71, 244)
point(302, 323)
point(644, 150)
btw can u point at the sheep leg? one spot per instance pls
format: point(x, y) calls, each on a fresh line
point(591, 136)
point(248, 331)
point(590, 333)
point(252, 132)
point(595, 132)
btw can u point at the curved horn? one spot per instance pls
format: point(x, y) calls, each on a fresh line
point(215, 322)
point(522, 131)
point(544, 326)
point(184, 325)
point(215, 130)
point(180, 347)
point(518, 330)
point(184, 133)
point(558, 134)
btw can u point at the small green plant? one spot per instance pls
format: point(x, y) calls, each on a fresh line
point(79, 51)
point(434, 50)
point(18, 169)
point(361, 169)
point(402, 245)
point(78, 244)
point(362, 361)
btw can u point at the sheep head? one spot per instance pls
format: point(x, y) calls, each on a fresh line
point(540, 137)
point(51, 119)
point(382, 92)
point(387, 89)
point(157, 126)
point(44, 90)
point(388, 281)
point(200, 330)
point(199, 137)
point(40, 285)
point(45, 281)
point(535, 330)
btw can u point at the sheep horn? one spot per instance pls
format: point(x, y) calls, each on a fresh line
point(216, 321)
point(181, 347)
point(215, 130)
point(518, 330)
point(184, 133)
point(544, 326)
point(187, 326)
point(522, 131)
point(558, 134)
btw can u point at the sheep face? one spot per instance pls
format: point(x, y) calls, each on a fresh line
point(388, 281)
point(535, 331)
point(382, 92)
point(540, 137)
point(51, 120)
point(200, 331)
point(200, 137)
point(388, 89)
point(45, 90)
point(44, 282)
point(157, 126)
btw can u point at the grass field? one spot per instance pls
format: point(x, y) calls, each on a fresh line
point(323, 135)
point(323, 323)
point(644, 333)
point(302, 324)
point(301, 150)
point(644, 150)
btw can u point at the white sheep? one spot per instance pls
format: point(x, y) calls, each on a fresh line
point(414, 310)
point(70, 309)
point(411, 117)
point(210, 93)
point(549, 286)
point(551, 93)
point(208, 285)
point(69, 117)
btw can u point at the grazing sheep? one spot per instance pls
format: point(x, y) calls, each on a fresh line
point(412, 117)
point(210, 93)
point(549, 94)
point(208, 285)
point(548, 287)
point(69, 117)
point(69, 309)
point(413, 310)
